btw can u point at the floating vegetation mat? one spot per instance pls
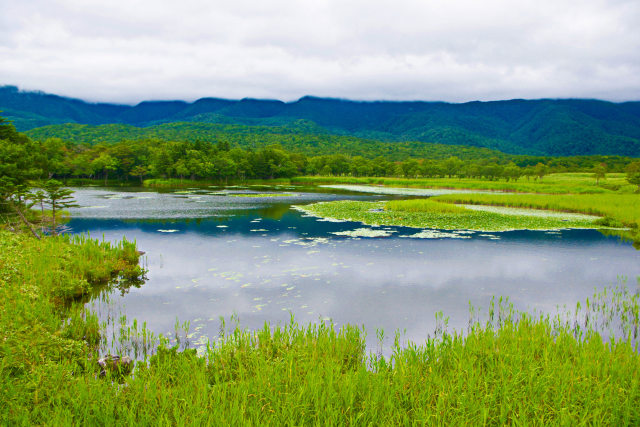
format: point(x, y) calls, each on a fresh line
point(437, 234)
point(364, 232)
point(306, 241)
point(443, 216)
point(308, 211)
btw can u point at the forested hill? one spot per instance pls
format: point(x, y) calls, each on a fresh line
point(546, 127)
point(300, 137)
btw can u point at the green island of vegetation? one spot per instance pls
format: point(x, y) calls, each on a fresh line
point(573, 193)
point(510, 367)
point(427, 213)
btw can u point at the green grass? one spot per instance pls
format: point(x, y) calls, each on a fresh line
point(509, 367)
point(623, 209)
point(557, 183)
point(172, 183)
point(560, 183)
point(614, 200)
point(424, 213)
point(423, 205)
point(44, 334)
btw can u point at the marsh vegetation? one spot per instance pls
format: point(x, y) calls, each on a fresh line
point(579, 365)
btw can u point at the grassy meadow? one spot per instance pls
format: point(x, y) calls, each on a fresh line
point(557, 183)
point(622, 210)
point(507, 367)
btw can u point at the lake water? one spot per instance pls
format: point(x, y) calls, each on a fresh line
point(215, 253)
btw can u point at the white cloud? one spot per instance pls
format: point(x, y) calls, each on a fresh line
point(406, 49)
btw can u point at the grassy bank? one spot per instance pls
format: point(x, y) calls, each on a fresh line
point(560, 183)
point(185, 183)
point(619, 209)
point(615, 202)
point(46, 340)
point(521, 368)
point(508, 368)
point(512, 368)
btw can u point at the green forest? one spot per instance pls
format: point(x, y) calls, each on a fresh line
point(236, 152)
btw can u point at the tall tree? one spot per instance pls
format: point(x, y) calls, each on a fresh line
point(105, 163)
point(18, 159)
point(599, 172)
point(14, 197)
point(633, 174)
point(58, 198)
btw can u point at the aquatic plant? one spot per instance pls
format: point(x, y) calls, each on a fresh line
point(364, 232)
point(425, 213)
point(437, 234)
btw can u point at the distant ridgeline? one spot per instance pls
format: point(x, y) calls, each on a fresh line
point(535, 127)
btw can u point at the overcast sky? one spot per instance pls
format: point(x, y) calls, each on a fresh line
point(451, 50)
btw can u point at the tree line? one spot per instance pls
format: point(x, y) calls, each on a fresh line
point(135, 160)
point(130, 160)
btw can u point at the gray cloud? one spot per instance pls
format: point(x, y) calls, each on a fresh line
point(456, 50)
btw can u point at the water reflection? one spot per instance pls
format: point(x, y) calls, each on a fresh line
point(263, 261)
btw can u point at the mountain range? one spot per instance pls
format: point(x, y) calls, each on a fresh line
point(556, 127)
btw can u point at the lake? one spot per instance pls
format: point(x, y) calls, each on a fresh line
point(244, 252)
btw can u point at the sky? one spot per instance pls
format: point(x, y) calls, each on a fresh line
point(445, 50)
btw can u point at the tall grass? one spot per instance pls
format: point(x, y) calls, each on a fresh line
point(511, 368)
point(623, 209)
point(579, 367)
point(42, 333)
point(560, 183)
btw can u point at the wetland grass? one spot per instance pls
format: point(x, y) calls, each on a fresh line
point(44, 336)
point(512, 367)
point(557, 183)
point(580, 367)
point(615, 202)
point(622, 209)
point(426, 213)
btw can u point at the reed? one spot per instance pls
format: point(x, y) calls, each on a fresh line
point(510, 367)
point(621, 209)
point(580, 366)
point(557, 183)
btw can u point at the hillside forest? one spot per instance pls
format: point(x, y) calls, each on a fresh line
point(237, 153)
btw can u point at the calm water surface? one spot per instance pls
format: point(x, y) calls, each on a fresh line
point(213, 253)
